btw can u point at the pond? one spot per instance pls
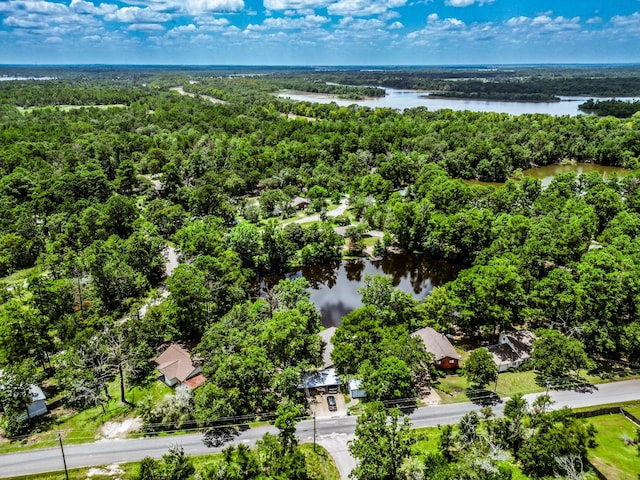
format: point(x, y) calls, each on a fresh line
point(334, 287)
point(402, 99)
point(546, 174)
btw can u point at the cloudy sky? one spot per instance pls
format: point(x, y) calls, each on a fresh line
point(319, 32)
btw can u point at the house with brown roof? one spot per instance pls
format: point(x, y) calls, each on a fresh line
point(300, 203)
point(439, 345)
point(512, 350)
point(177, 368)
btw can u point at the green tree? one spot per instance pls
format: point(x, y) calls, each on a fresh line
point(555, 355)
point(391, 380)
point(382, 444)
point(480, 369)
point(174, 465)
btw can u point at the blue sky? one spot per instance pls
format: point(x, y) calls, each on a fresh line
point(319, 32)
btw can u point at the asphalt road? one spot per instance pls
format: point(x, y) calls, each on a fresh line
point(333, 433)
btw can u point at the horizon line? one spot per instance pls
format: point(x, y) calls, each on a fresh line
point(390, 65)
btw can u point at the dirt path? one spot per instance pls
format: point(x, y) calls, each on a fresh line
point(181, 91)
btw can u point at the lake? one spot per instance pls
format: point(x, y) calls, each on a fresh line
point(402, 99)
point(334, 287)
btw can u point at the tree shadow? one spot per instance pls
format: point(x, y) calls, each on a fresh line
point(215, 437)
point(574, 383)
point(481, 396)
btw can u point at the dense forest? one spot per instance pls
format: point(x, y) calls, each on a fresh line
point(613, 107)
point(93, 198)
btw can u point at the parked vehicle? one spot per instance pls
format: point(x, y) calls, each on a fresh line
point(331, 401)
point(333, 389)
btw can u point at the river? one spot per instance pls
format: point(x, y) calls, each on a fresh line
point(402, 99)
point(334, 286)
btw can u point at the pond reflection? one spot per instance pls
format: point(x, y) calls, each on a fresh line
point(334, 287)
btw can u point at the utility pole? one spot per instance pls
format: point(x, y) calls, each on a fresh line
point(547, 393)
point(64, 461)
point(314, 431)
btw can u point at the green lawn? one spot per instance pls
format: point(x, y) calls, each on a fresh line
point(633, 409)
point(451, 388)
point(517, 382)
point(427, 439)
point(20, 276)
point(612, 456)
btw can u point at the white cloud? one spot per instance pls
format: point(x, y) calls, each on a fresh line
point(465, 3)
point(145, 27)
point(632, 20)
point(359, 24)
point(33, 6)
point(287, 23)
point(81, 6)
point(542, 24)
point(53, 40)
point(362, 8)
point(137, 15)
point(395, 26)
point(594, 21)
point(189, 7)
point(183, 29)
point(92, 38)
point(296, 4)
point(451, 31)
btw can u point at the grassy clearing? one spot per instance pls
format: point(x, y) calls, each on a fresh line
point(320, 466)
point(626, 405)
point(83, 427)
point(129, 469)
point(612, 456)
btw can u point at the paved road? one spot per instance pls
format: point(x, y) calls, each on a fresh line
point(333, 433)
point(339, 210)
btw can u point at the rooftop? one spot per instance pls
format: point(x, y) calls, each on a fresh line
point(436, 343)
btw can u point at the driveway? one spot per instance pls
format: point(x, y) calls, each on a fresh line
point(320, 406)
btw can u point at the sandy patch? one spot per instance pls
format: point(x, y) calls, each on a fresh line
point(110, 470)
point(431, 398)
point(119, 429)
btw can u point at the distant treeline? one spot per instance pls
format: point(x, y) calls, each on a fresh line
point(536, 85)
point(318, 86)
point(614, 108)
point(32, 93)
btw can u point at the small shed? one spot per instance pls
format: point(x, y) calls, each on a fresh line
point(438, 344)
point(37, 406)
point(176, 367)
point(355, 388)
